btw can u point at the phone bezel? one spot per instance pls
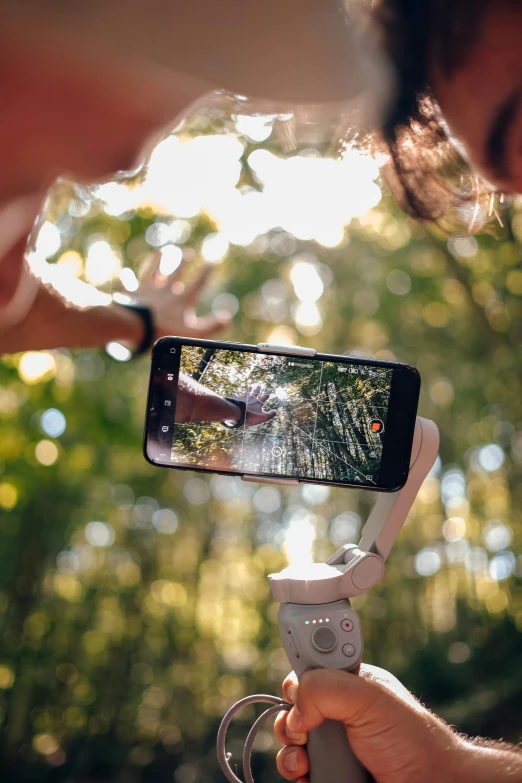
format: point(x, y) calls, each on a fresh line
point(399, 430)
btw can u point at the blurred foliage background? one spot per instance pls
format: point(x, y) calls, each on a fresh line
point(134, 601)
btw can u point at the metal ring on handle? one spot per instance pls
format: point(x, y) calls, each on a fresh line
point(223, 756)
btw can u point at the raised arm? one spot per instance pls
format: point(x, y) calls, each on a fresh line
point(55, 322)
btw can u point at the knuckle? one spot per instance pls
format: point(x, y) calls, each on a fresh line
point(281, 765)
point(294, 762)
point(280, 727)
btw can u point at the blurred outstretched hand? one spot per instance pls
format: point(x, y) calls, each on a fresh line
point(173, 302)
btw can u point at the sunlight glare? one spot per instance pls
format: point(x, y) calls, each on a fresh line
point(307, 283)
point(102, 264)
point(299, 538)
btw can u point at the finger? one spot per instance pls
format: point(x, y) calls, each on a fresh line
point(284, 736)
point(150, 267)
point(264, 397)
point(193, 290)
point(177, 274)
point(290, 688)
point(329, 693)
point(207, 325)
point(256, 390)
point(292, 762)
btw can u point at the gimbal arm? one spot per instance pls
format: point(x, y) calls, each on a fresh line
point(353, 570)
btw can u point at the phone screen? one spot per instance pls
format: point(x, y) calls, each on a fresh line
point(232, 409)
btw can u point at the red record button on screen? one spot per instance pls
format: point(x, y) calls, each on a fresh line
point(376, 426)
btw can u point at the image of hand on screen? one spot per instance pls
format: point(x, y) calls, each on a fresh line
point(197, 403)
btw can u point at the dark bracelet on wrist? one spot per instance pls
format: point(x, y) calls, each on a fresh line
point(235, 425)
point(149, 330)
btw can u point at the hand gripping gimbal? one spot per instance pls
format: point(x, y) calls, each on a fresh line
point(319, 628)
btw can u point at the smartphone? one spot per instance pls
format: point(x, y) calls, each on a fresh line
point(280, 413)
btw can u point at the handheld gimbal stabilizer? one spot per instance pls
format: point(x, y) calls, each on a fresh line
point(319, 628)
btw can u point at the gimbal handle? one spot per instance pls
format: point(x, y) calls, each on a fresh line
point(318, 627)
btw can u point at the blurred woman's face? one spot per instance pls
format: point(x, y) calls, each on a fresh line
point(482, 100)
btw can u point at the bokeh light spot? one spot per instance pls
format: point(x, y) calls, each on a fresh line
point(427, 562)
point(99, 534)
point(46, 452)
point(36, 366)
point(53, 422)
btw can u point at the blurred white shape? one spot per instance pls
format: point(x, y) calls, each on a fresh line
point(128, 279)
point(330, 236)
point(456, 551)
point(307, 283)
point(183, 175)
point(122, 495)
point(267, 500)
point(118, 352)
point(53, 422)
point(144, 510)
point(308, 318)
point(72, 262)
point(281, 393)
point(48, 241)
point(99, 534)
point(502, 566)
point(299, 538)
point(214, 247)
point(491, 457)
point(314, 197)
point(35, 365)
point(158, 234)
point(454, 529)
point(497, 535)
point(63, 281)
point(257, 127)
point(314, 494)
point(46, 452)
point(179, 231)
point(398, 282)
point(171, 258)
point(427, 562)
point(68, 562)
point(225, 303)
point(117, 197)
point(229, 487)
point(463, 247)
point(345, 528)
point(102, 263)
point(476, 560)
point(453, 484)
point(196, 491)
point(165, 521)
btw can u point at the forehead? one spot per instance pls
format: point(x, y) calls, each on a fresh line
point(471, 93)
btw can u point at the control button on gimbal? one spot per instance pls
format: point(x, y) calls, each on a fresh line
point(349, 650)
point(293, 645)
point(347, 625)
point(324, 639)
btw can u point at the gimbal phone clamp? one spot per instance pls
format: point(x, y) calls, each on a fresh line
point(318, 626)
